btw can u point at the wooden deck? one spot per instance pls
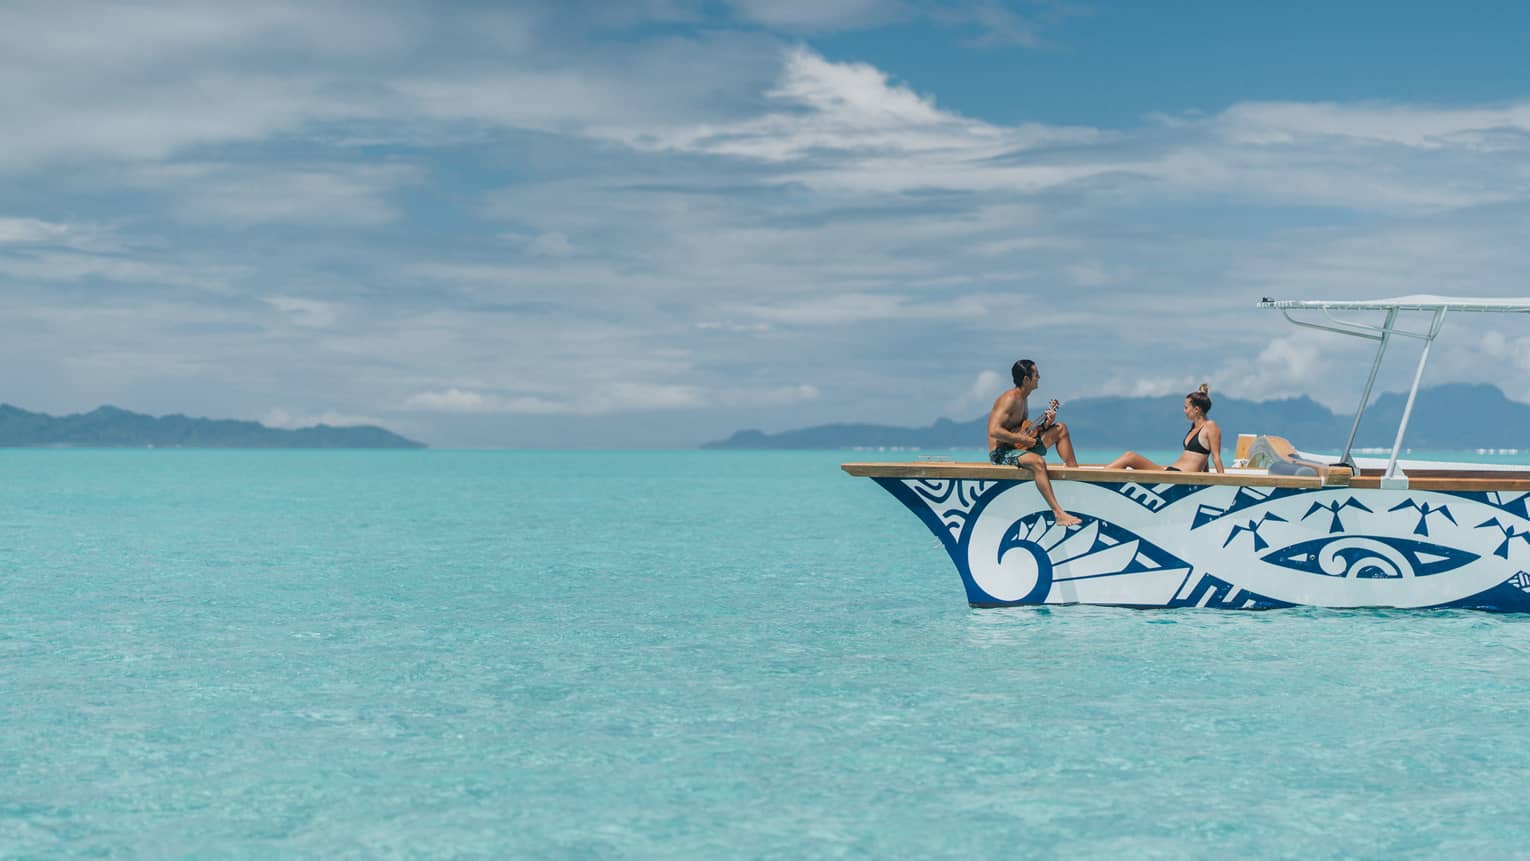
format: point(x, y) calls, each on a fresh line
point(1461, 480)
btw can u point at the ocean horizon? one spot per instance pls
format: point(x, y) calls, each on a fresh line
point(679, 654)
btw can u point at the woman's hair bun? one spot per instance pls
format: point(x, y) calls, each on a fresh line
point(1205, 388)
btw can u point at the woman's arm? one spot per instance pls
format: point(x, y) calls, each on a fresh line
point(1214, 442)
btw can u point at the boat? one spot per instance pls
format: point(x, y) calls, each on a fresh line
point(1282, 528)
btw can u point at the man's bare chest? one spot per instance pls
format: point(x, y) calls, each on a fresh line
point(1017, 415)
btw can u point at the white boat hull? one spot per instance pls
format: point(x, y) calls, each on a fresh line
point(1229, 546)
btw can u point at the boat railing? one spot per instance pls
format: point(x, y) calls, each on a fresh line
point(1437, 305)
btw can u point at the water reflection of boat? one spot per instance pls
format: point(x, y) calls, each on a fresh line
point(1289, 529)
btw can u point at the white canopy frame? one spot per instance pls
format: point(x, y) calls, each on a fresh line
point(1382, 335)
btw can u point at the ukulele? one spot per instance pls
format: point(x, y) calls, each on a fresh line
point(1037, 429)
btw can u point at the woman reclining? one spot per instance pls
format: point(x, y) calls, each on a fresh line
point(1203, 443)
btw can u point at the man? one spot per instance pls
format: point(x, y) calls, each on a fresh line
point(1009, 444)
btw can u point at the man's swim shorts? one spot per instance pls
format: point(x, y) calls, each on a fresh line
point(1008, 455)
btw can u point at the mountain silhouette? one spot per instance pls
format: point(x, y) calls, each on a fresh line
point(1454, 416)
point(111, 427)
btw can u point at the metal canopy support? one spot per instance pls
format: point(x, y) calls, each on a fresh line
point(1383, 335)
point(1418, 375)
point(1437, 304)
point(1381, 349)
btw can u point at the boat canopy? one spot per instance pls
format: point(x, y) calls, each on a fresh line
point(1382, 334)
point(1402, 303)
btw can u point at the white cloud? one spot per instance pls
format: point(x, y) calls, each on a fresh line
point(23, 231)
point(1160, 386)
point(1095, 273)
point(453, 400)
point(818, 15)
point(309, 313)
point(390, 227)
point(770, 396)
point(603, 400)
point(241, 195)
point(551, 245)
point(1430, 128)
point(986, 387)
point(851, 308)
point(833, 111)
point(732, 327)
point(1003, 27)
point(610, 399)
point(281, 417)
point(73, 266)
point(847, 127)
point(1289, 365)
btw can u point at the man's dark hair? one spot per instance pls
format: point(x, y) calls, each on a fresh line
point(1022, 371)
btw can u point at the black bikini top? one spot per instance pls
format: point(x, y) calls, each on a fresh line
point(1193, 443)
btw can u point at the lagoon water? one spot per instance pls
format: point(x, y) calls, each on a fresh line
point(678, 655)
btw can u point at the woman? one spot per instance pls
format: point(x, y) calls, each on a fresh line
point(1202, 443)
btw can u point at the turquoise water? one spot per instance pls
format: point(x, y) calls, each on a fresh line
point(678, 655)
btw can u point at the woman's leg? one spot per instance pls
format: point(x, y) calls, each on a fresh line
point(1132, 460)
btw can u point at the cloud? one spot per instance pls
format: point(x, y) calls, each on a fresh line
point(852, 308)
point(146, 80)
point(454, 400)
point(26, 231)
point(76, 266)
point(1002, 26)
point(1426, 128)
point(1304, 362)
point(810, 16)
point(996, 24)
point(733, 327)
point(985, 388)
point(851, 115)
point(1507, 352)
point(770, 396)
point(551, 245)
point(281, 417)
point(848, 127)
point(242, 195)
point(308, 313)
point(660, 211)
point(1095, 273)
point(608, 399)
point(611, 399)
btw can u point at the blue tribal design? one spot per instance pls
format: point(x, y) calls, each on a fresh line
point(1334, 507)
point(1157, 545)
point(1509, 534)
point(1253, 528)
point(1217, 593)
point(1424, 510)
point(1157, 496)
point(1369, 557)
point(1243, 498)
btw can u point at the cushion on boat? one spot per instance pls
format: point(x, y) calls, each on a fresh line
point(1286, 467)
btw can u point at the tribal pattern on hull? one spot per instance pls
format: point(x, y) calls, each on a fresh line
point(1231, 547)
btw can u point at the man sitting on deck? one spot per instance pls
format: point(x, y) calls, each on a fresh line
point(1012, 440)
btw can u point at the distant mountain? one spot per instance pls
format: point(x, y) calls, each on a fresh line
point(1453, 416)
point(110, 427)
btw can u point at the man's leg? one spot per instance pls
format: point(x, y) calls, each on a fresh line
point(1038, 468)
point(1058, 438)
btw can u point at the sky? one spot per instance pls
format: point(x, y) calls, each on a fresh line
point(650, 224)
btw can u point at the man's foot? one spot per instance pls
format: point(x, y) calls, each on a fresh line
point(1065, 519)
